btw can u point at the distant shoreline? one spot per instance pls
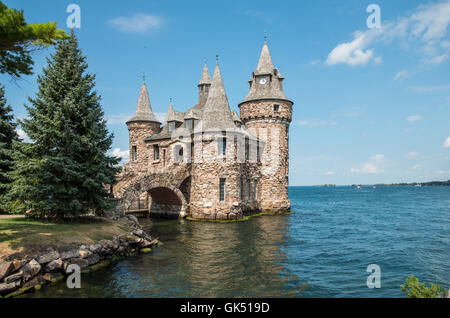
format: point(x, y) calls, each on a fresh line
point(413, 184)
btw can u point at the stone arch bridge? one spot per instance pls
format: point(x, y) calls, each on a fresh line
point(166, 194)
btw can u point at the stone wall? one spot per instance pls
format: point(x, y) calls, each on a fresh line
point(28, 274)
point(272, 127)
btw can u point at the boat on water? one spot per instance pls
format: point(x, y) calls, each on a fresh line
point(359, 187)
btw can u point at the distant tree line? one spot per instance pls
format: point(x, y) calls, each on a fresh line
point(64, 167)
point(431, 183)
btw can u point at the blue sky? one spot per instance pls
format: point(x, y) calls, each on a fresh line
point(371, 105)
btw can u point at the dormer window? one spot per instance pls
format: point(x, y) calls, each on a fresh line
point(189, 124)
point(171, 126)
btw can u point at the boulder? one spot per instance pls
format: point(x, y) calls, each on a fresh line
point(35, 281)
point(83, 263)
point(7, 288)
point(31, 269)
point(84, 253)
point(47, 258)
point(144, 243)
point(139, 233)
point(69, 254)
point(5, 269)
point(54, 266)
point(93, 259)
point(52, 277)
point(18, 264)
point(95, 248)
point(14, 277)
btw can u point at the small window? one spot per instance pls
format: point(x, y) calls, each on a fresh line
point(171, 126)
point(249, 185)
point(276, 108)
point(258, 154)
point(134, 153)
point(156, 152)
point(255, 183)
point(222, 146)
point(222, 189)
point(189, 124)
point(247, 149)
point(242, 188)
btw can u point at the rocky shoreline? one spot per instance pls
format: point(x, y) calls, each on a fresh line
point(34, 271)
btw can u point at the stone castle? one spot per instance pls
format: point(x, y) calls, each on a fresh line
point(209, 162)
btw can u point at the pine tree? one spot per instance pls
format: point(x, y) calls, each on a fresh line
point(7, 136)
point(64, 170)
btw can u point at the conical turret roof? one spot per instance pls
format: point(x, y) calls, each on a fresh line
point(206, 79)
point(144, 108)
point(172, 115)
point(216, 112)
point(271, 86)
point(265, 64)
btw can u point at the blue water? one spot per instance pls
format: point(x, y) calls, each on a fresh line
point(321, 250)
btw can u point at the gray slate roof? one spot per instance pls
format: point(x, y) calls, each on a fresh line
point(205, 76)
point(173, 115)
point(144, 108)
point(216, 112)
point(272, 89)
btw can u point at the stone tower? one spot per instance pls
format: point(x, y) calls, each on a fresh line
point(267, 113)
point(204, 86)
point(215, 176)
point(141, 125)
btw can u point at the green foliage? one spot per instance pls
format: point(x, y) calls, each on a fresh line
point(18, 40)
point(414, 289)
point(64, 170)
point(7, 136)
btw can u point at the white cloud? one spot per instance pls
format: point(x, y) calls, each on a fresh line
point(329, 173)
point(123, 154)
point(402, 75)
point(412, 154)
point(371, 167)
point(414, 118)
point(23, 135)
point(351, 53)
point(425, 29)
point(415, 167)
point(314, 62)
point(443, 172)
point(138, 23)
point(447, 143)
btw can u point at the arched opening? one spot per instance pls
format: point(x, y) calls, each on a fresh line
point(185, 188)
point(164, 202)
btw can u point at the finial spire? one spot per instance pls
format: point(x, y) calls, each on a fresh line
point(205, 60)
point(217, 58)
point(170, 100)
point(265, 36)
point(143, 77)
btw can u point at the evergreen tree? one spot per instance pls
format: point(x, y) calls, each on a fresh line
point(64, 170)
point(7, 135)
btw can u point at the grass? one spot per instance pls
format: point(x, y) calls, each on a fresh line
point(20, 236)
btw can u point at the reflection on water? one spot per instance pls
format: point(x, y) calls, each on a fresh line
point(198, 259)
point(329, 241)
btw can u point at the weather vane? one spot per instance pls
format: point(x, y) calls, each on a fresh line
point(217, 58)
point(265, 36)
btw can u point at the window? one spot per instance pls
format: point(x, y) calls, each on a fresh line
point(156, 152)
point(247, 149)
point(134, 153)
point(189, 124)
point(258, 154)
point(249, 185)
point(222, 146)
point(242, 188)
point(222, 189)
point(171, 126)
point(276, 108)
point(255, 183)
